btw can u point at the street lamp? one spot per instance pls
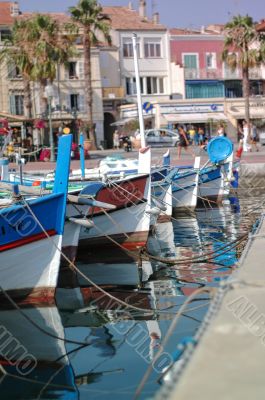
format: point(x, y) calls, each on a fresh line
point(49, 92)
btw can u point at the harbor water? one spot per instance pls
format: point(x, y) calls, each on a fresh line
point(97, 348)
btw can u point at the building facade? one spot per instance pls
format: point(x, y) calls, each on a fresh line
point(68, 99)
point(199, 54)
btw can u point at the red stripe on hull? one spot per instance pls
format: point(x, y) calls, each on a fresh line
point(134, 241)
point(38, 297)
point(24, 241)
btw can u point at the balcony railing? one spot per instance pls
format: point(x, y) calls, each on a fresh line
point(211, 73)
point(113, 92)
point(255, 73)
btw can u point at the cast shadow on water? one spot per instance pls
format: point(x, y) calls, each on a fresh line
point(97, 347)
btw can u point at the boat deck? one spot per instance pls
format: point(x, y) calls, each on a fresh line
point(229, 361)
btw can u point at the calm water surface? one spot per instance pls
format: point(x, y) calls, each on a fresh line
point(121, 345)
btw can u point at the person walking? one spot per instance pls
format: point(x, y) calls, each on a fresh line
point(254, 138)
point(192, 134)
point(245, 136)
point(183, 142)
point(196, 137)
point(201, 136)
point(116, 140)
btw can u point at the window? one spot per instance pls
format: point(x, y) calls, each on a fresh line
point(16, 102)
point(13, 71)
point(5, 34)
point(190, 61)
point(128, 49)
point(149, 85)
point(210, 60)
point(72, 70)
point(204, 90)
point(154, 85)
point(131, 86)
point(76, 102)
point(152, 49)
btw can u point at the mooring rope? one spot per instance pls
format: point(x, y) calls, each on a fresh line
point(167, 337)
point(149, 311)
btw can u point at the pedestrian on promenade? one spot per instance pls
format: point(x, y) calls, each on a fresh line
point(196, 137)
point(116, 140)
point(246, 146)
point(192, 134)
point(254, 138)
point(183, 142)
point(221, 130)
point(201, 136)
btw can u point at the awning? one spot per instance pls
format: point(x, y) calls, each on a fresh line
point(12, 117)
point(194, 117)
point(239, 113)
point(125, 121)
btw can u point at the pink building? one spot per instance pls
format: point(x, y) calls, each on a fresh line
point(206, 75)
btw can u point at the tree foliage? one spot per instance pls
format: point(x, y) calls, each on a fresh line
point(94, 27)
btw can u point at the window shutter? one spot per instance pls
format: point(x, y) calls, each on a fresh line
point(81, 101)
point(66, 102)
point(214, 60)
point(66, 72)
point(56, 99)
point(11, 70)
point(190, 61)
point(12, 104)
point(81, 69)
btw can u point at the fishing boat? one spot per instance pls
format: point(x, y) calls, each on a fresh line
point(123, 221)
point(215, 179)
point(31, 236)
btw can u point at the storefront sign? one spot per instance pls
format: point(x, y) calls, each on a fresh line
point(133, 112)
point(191, 108)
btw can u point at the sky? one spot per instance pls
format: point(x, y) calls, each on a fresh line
point(173, 13)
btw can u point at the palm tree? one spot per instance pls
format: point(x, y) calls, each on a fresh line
point(47, 44)
point(14, 55)
point(242, 49)
point(88, 15)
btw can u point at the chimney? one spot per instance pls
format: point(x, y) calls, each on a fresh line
point(156, 18)
point(14, 9)
point(130, 6)
point(142, 9)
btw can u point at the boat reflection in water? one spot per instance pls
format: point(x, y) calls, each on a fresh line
point(33, 356)
point(119, 343)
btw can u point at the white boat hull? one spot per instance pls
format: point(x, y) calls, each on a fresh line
point(127, 226)
point(32, 268)
point(213, 189)
point(184, 192)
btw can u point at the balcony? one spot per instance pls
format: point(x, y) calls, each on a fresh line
point(255, 73)
point(212, 74)
point(113, 92)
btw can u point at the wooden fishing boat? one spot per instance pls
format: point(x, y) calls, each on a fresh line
point(31, 237)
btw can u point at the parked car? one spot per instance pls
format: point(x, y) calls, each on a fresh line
point(161, 137)
point(262, 138)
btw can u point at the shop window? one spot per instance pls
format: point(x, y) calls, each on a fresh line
point(204, 91)
point(233, 89)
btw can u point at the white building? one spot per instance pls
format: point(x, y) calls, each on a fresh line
point(117, 65)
